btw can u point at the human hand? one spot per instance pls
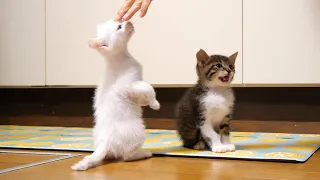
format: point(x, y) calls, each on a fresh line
point(130, 7)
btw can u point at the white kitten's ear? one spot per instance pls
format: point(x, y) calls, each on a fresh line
point(233, 57)
point(202, 56)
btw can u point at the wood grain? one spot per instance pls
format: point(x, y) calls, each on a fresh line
point(175, 168)
point(8, 160)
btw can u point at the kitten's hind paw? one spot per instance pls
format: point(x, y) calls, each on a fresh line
point(147, 154)
point(138, 155)
point(199, 146)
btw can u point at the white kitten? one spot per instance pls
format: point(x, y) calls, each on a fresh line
point(119, 130)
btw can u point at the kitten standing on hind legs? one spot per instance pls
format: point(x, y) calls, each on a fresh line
point(119, 130)
point(204, 112)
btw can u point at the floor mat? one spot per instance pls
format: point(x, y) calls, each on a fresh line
point(249, 145)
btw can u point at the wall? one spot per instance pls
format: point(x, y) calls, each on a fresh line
point(43, 43)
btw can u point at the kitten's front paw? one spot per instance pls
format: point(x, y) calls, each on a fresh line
point(155, 105)
point(222, 148)
point(230, 147)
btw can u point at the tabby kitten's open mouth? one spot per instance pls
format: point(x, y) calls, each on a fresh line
point(224, 78)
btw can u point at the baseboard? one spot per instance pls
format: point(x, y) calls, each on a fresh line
point(260, 109)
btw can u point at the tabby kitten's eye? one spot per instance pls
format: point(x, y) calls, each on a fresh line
point(219, 65)
point(119, 27)
point(231, 66)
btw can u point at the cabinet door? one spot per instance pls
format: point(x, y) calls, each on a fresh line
point(69, 26)
point(22, 42)
point(165, 41)
point(168, 39)
point(281, 41)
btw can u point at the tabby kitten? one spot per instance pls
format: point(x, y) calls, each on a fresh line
point(204, 112)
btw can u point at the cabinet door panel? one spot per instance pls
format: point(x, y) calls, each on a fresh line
point(22, 42)
point(69, 26)
point(168, 39)
point(281, 41)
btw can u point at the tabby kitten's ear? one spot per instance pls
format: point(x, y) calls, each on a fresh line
point(202, 56)
point(233, 57)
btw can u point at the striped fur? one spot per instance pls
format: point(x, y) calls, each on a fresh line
point(193, 109)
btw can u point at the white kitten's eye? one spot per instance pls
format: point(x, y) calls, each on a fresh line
point(119, 27)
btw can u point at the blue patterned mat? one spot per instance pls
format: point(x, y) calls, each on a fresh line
point(249, 145)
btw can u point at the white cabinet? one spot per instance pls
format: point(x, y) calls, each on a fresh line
point(168, 39)
point(165, 42)
point(44, 42)
point(281, 41)
point(69, 26)
point(22, 42)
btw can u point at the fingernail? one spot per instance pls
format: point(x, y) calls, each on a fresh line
point(125, 17)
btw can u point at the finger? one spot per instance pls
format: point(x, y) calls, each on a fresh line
point(124, 9)
point(144, 7)
point(134, 8)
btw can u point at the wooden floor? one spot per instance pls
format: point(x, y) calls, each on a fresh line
point(9, 160)
point(256, 109)
point(168, 168)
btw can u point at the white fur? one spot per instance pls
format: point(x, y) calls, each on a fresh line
point(216, 104)
point(119, 130)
